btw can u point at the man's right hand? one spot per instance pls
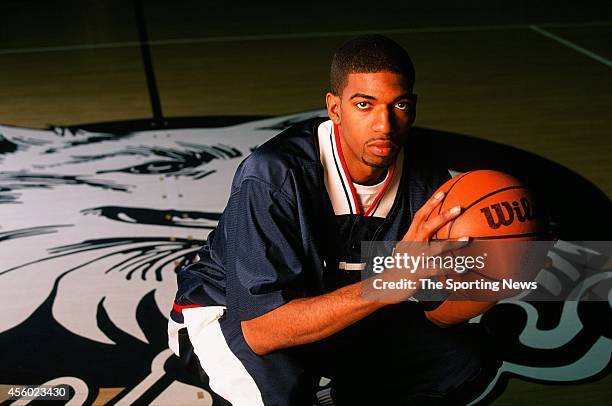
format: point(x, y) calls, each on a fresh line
point(416, 243)
point(423, 227)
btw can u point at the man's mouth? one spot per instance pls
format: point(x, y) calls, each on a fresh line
point(382, 148)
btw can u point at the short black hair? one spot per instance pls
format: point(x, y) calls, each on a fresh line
point(368, 54)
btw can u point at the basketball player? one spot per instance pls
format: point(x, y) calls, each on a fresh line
point(273, 302)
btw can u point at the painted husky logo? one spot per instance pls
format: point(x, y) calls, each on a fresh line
point(506, 212)
point(93, 226)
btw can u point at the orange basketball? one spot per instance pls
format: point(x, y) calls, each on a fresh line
point(494, 207)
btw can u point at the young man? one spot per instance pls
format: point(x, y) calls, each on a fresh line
point(274, 301)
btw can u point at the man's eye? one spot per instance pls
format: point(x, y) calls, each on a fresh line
point(401, 105)
point(362, 105)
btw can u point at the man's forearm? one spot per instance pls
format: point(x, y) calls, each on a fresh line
point(307, 320)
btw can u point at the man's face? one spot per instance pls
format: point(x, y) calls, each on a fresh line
point(375, 112)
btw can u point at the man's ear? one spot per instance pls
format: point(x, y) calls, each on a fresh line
point(333, 107)
point(413, 108)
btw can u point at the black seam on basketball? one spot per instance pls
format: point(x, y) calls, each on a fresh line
point(452, 223)
point(493, 193)
point(446, 194)
point(500, 237)
point(485, 276)
point(451, 188)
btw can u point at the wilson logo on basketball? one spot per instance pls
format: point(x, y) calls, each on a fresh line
point(506, 213)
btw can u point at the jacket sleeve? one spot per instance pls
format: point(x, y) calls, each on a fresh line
point(203, 281)
point(265, 261)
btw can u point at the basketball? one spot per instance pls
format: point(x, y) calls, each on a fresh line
point(498, 214)
point(494, 205)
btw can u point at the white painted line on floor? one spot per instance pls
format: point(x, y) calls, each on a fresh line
point(81, 47)
point(571, 45)
point(585, 24)
point(256, 37)
point(298, 35)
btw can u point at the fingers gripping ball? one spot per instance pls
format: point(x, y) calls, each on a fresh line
point(495, 207)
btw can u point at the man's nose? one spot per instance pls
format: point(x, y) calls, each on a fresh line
point(383, 120)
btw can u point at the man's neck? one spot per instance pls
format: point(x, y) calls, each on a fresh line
point(366, 175)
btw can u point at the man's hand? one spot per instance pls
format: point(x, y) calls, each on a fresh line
point(422, 229)
point(414, 245)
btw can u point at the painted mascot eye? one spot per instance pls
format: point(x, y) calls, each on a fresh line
point(177, 161)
